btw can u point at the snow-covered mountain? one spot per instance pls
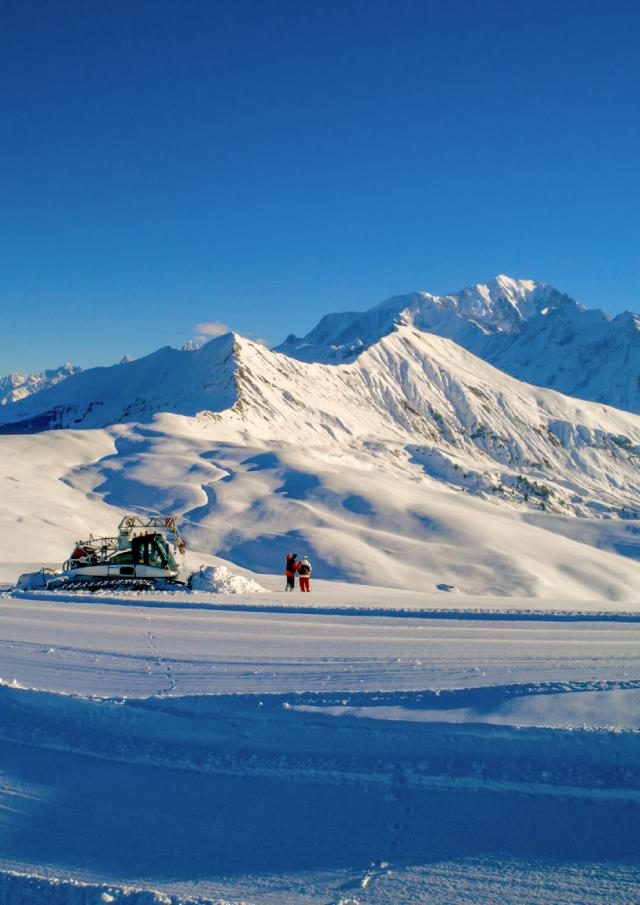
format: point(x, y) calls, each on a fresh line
point(169, 380)
point(530, 330)
point(461, 420)
point(415, 463)
point(14, 387)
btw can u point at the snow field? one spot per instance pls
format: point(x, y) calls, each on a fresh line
point(377, 740)
point(252, 756)
point(374, 520)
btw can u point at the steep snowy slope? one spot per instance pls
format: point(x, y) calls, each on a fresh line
point(166, 381)
point(18, 386)
point(528, 329)
point(576, 351)
point(416, 465)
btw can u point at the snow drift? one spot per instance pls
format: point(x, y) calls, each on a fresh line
point(220, 580)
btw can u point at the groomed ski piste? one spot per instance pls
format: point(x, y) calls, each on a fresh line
point(452, 715)
point(356, 745)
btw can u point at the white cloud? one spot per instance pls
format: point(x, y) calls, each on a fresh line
point(211, 328)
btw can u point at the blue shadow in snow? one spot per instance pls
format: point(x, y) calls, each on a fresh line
point(130, 820)
point(199, 512)
point(182, 601)
point(297, 485)
point(630, 550)
point(262, 462)
point(267, 553)
point(358, 505)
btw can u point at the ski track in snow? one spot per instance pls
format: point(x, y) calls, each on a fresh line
point(157, 754)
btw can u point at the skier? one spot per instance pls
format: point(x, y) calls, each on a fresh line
point(292, 567)
point(304, 571)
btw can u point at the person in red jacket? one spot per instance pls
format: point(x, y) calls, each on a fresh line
point(290, 571)
point(304, 571)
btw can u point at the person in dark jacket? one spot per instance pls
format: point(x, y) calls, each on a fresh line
point(290, 571)
point(304, 571)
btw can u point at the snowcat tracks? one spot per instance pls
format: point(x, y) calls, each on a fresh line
point(108, 584)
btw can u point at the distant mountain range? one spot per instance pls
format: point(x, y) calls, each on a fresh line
point(14, 387)
point(527, 329)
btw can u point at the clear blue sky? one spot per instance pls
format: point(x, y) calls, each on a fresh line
point(262, 163)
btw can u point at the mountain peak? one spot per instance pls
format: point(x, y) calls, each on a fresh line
point(514, 285)
point(529, 329)
point(499, 306)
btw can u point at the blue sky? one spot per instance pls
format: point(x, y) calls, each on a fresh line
point(258, 164)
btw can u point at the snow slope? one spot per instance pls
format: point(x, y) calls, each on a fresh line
point(163, 755)
point(528, 329)
point(167, 380)
point(417, 465)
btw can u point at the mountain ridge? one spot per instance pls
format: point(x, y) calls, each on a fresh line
point(458, 419)
point(130, 390)
point(530, 330)
point(16, 386)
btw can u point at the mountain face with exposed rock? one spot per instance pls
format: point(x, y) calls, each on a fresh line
point(529, 330)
